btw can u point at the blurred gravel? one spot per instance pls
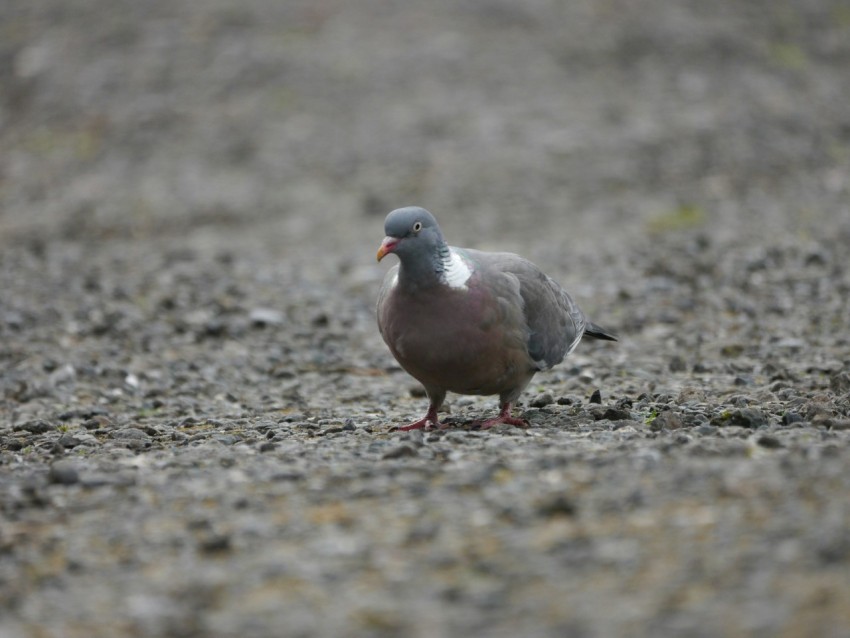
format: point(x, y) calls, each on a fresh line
point(197, 411)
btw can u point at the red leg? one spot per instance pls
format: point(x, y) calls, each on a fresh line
point(430, 420)
point(504, 417)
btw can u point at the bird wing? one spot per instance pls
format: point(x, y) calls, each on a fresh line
point(554, 323)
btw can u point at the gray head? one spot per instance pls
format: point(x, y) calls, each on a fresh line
point(411, 231)
point(414, 235)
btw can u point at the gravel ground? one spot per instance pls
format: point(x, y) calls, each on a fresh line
point(197, 411)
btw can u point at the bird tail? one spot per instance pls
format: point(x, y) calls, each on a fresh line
point(597, 332)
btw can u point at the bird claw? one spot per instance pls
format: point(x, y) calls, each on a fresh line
point(509, 420)
point(422, 424)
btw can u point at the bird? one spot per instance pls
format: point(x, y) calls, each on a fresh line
point(471, 322)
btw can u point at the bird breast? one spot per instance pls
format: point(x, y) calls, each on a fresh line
point(458, 339)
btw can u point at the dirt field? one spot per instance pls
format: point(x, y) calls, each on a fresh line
point(197, 411)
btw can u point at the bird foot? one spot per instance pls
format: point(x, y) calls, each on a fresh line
point(510, 420)
point(421, 424)
point(504, 417)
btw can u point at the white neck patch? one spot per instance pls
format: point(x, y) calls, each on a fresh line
point(455, 270)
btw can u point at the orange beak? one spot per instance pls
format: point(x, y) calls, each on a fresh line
point(387, 246)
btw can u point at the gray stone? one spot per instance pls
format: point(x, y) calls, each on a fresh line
point(37, 426)
point(542, 400)
point(131, 433)
point(400, 451)
point(744, 417)
point(64, 472)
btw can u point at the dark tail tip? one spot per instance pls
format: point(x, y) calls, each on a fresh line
point(597, 332)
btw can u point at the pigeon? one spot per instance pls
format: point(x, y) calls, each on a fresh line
point(471, 322)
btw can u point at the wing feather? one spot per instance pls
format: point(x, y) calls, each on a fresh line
point(554, 324)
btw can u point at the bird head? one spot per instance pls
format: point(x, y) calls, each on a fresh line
point(411, 233)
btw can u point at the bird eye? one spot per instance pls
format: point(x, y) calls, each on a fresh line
point(417, 226)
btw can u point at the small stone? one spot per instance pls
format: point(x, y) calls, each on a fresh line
point(36, 426)
point(815, 410)
point(213, 327)
point(542, 400)
point(611, 414)
point(97, 422)
point(838, 424)
point(691, 393)
point(267, 446)
point(596, 397)
point(135, 445)
point(770, 442)
point(558, 505)
point(215, 543)
point(747, 417)
point(791, 417)
point(732, 350)
point(68, 440)
point(261, 317)
point(667, 420)
point(840, 382)
point(620, 424)
point(131, 433)
point(83, 413)
point(400, 451)
point(677, 364)
point(99, 479)
point(63, 473)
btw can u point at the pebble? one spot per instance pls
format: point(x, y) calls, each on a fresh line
point(837, 423)
point(400, 451)
point(131, 433)
point(214, 543)
point(557, 505)
point(677, 364)
point(98, 422)
point(840, 382)
point(745, 417)
point(63, 472)
point(262, 317)
point(610, 414)
point(667, 420)
point(36, 426)
point(770, 442)
point(68, 440)
point(791, 417)
point(542, 400)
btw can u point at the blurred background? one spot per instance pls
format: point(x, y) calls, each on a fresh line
point(512, 122)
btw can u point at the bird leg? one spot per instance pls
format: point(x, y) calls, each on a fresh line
point(504, 417)
point(430, 420)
